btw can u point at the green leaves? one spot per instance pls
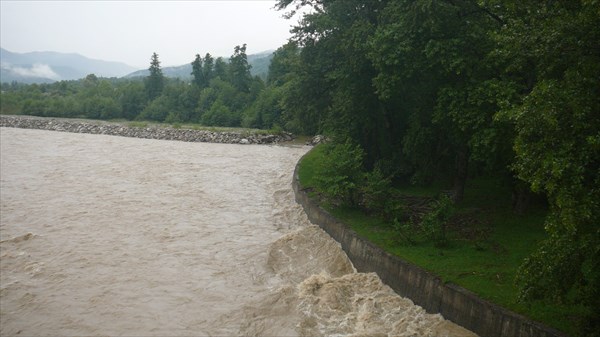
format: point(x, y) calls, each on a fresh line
point(341, 174)
point(433, 223)
point(552, 55)
point(239, 69)
point(503, 86)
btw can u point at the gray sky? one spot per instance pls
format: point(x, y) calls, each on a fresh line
point(130, 31)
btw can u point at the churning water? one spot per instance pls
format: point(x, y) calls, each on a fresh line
point(104, 235)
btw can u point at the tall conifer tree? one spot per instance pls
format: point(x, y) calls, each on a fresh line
point(155, 82)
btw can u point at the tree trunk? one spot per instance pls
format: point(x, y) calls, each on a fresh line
point(460, 177)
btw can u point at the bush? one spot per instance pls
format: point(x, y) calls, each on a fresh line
point(157, 110)
point(340, 175)
point(405, 231)
point(34, 107)
point(433, 224)
point(266, 110)
point(377, 195)
point(221, 115)
point(375, 191)
point(565, 268)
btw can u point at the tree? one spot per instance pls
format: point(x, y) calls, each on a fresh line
point(265, 111)
point(221, 68)
point(225, 94)
point(283, 64)
point(100, 107)
point(433, 68)
point(10, 103)
point(157, 109)
point(220, 115)
point(133, 99)
point(552, 63)
point(91, 80)
point(208, 68)
point(155, 81)
point(198, 73)
point(239, 69)
point(97, 99)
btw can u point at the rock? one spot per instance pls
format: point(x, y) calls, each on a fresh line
point(166, 133)
point(318, 139)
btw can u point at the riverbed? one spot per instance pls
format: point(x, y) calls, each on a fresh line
point(106, 235)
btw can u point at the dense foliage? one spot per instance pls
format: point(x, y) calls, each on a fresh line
point(443, 91)
point(412, 92)
point(221, 94)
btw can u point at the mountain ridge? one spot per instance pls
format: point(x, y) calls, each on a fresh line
point(50, 66)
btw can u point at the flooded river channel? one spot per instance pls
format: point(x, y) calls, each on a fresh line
point(104, 235)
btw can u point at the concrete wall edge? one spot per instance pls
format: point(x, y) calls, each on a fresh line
point(425, 289)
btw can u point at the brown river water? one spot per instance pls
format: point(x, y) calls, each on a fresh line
point(105, 235)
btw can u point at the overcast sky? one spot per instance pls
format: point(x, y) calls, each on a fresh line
point(130, 31)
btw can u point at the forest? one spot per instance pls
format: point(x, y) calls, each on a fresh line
point(412, 93)
point(422, 92)
point(222, 93)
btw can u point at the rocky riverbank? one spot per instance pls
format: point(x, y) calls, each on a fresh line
point(149, 132)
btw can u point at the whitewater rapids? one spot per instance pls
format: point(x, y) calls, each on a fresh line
point(104, 235)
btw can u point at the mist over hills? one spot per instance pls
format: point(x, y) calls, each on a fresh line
point(46, 67)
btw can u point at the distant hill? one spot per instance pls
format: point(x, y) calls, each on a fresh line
point(46, 67)
point(259, 66)
point(260, 63)
point(182, 72)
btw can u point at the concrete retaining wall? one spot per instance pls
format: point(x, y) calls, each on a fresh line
point(423, 288)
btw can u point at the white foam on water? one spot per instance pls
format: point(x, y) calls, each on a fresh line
point(103, 235)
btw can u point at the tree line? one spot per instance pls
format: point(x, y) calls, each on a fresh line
point(222, 93)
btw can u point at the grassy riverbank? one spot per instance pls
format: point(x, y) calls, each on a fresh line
point(483, 255)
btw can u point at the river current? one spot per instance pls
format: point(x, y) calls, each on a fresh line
point(105, 235)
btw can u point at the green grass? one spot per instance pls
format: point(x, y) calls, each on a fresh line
point(306, 171)
point(136, 124)
point(487, 265)
point(244, 132)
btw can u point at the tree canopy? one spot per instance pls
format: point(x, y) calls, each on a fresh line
point(451, 90)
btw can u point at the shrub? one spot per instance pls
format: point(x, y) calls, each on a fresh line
point(340, 175)
point(565, 268)
point(220, 115)
point(433, 224)
point(157, 110)
point(405, 231)
point(377, 195)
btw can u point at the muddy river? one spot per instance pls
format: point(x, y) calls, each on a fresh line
point(104, 235)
